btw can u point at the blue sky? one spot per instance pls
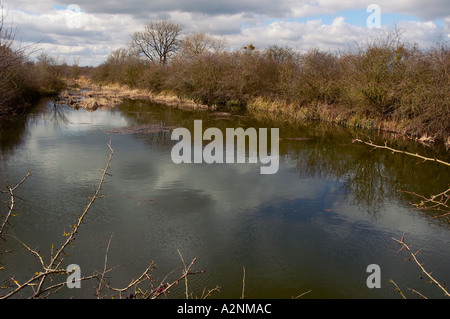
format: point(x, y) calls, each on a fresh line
point(358, 17)
point(102, 26)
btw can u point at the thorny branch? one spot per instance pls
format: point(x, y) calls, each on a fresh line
point(54, 265)
point(36, 282)
point(10, 191)
point(425, 159)
point(414, 258)
point(439, 202)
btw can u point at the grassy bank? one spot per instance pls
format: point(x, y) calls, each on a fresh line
point(386, 84)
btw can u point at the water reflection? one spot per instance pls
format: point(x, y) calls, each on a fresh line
point(330, 211)
point(317, 151)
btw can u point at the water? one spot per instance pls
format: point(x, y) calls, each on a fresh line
point(331, 210)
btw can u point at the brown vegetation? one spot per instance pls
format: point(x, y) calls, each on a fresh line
point(83, 93)
point(22, 81)
point(386, 84)
point(15, 80)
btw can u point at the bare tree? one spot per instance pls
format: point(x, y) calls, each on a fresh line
point(158, 41)
point(200, 43)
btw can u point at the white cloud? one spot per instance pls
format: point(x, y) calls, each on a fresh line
point(429, 10)
point(104, 26)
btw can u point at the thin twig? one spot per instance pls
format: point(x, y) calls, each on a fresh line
point(133, 283)
point(414, 257)
point(204, 296)
point(243, 282)
point(185, 273)
point(375, 146)
point(302, 294)
point(416, 292)
point(438, 202)
point(99, 288)
point(54, 266)
point(10, 191)
point(185, 278)
point(397, 288)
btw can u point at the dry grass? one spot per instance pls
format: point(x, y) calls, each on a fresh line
point(83, 93)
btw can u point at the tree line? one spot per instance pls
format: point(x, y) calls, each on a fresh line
point(385, 81)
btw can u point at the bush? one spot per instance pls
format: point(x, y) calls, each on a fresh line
point(385, 80)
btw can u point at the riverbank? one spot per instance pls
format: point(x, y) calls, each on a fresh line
point(291, 112)
point(84, 93)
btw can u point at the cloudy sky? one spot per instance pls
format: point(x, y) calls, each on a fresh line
point(88, 30)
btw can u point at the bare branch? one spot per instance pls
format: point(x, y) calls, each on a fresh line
point(167, 287)
point(36, 282)
point(158, 41)
point(10, 191)
point(438, 202)
point(414, 258)
point(402, 152)
point(54, 266)
point(397, 289)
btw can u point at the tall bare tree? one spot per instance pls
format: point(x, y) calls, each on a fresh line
point(158, 41)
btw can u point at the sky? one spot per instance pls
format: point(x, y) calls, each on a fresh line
point(87, 31)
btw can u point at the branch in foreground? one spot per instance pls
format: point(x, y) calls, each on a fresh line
point(36, 282)
point(438, 202)
point(414, 258)
point(10, 191)
point(424, 158)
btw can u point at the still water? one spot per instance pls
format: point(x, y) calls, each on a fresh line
point(315, 226)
